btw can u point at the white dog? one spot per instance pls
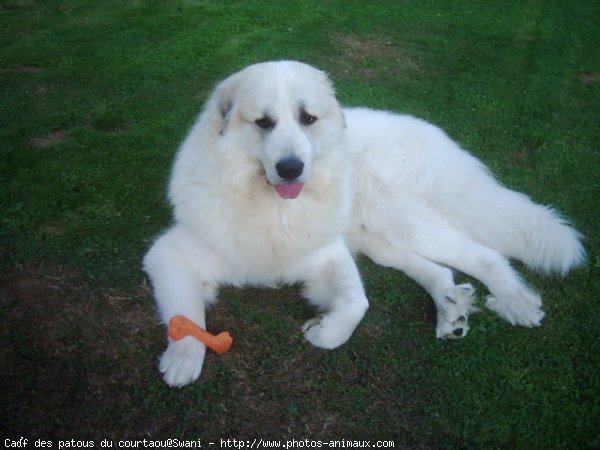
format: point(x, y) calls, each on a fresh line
point(277, 184)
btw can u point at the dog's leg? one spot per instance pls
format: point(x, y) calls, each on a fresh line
point(453, 303)
point(510, 297)
point(179, 290)
point(332, 283)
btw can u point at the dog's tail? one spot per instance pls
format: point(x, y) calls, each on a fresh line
point(534, 234)
point(548, 242)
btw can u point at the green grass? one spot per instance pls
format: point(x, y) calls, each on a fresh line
point(95, 98)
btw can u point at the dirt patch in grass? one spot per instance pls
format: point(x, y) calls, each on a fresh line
point(589, 77)
point(54, 138)
point(525, 157)
point(20, 69)
point(370, 57)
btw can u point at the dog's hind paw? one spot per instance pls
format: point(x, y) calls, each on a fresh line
point(524, 309)
point(453, 330)
point(181, 363)
point(453, 312)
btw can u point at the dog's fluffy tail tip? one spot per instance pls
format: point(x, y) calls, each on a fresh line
point(559, 246)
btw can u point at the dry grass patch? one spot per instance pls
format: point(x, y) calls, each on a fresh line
point(54, 138)
point(20, 69)
point(370, 57)
point(589, 77)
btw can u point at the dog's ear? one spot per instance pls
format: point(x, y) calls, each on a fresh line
point(221, 103)
point(225, 115)
point(219, 106)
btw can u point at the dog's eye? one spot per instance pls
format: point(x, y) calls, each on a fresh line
point(306, 118)
point(266, 123)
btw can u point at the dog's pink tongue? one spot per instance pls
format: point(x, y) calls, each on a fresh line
point(289, 190)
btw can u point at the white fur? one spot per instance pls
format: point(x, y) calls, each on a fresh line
point(392, 187)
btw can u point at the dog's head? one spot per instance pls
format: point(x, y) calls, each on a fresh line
point(283, 114)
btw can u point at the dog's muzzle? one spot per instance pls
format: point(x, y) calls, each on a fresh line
point(289, 170)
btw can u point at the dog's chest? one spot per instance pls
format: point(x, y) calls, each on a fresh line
point(272, 234)
point(267, 237)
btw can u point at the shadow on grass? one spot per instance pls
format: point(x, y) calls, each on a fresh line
point(79, 362)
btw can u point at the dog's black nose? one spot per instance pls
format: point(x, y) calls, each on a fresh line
point(289, 168)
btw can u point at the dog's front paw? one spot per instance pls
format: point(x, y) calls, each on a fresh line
point(326, 333)
point(453, 312)
point(181, 363)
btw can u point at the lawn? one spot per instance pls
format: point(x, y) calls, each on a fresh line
point(95, 98)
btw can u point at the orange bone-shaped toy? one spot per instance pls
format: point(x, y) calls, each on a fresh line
point(181, 326)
